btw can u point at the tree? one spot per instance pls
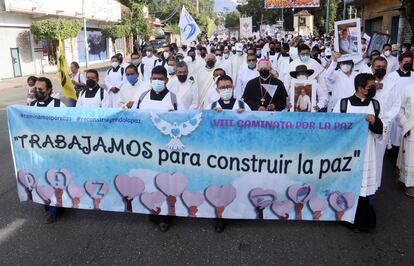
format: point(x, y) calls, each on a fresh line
point(139, 25)
point(117, 31)
point(54, 29)
point(232, 19)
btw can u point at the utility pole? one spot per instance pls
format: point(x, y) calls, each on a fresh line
point(327, 18)
point(344, 11)
point(85, 36)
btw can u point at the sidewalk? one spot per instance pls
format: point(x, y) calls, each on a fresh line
point(12, 83)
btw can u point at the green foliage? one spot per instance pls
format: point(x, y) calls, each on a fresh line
point(117, 31)
point(232, 19)
point(139, 25)
point(54, 29)
point(173, 28)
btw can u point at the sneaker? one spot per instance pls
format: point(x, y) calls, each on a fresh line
point(409, 191)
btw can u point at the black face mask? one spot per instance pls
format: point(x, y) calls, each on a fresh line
point(210, 63)
point(264, 73)
point(380, 73)
point(40, 96)
point(182, 78)
point(203, 55)
point(371, 93)
point(90, 83)
point(192, 57)
point(408, 66)
point(278, 50)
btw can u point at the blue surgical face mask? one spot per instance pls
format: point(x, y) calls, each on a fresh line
point(304, 58)
point(157, 85)
point(226, 56)
point(132, 79)
point(170, 69)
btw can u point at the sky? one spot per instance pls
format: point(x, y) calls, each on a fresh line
point(221, 4)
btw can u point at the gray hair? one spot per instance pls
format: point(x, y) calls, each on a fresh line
point(181, 64)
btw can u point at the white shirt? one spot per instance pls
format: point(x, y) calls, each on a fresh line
point(340, 84)
point(148, 66)
point(389, 98)
point(147, 103)
point(244, 75)
point(88, 99)
point(79, 77)
point(282, 67)
point(187, 91)
point(226, 65)
point(130, 92)
point(51, 103)
point(204, 81)
point(114, 78)
point(304, 103)
point(237, 105)
point(392, 63)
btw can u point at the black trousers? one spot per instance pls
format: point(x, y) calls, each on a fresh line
point(365, 217)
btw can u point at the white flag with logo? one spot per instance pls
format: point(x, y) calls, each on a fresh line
point(246, 27)
point(188, 27)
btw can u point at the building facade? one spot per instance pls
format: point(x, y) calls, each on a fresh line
point(22, 54)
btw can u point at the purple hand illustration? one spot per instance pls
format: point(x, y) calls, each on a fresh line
point(220, 197)
point(172, 185)
point(261, 198)
point(192, 200)
point(28, 180)
point(59, 179)
point(317, 205)
point(153, 201)
point(282, 208)
point(75, 192)
point(341, 202)
point(96, 190)
point(300, 195)
point(45, 193)
point(129, 187)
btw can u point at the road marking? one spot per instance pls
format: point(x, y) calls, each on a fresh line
point(11, 229)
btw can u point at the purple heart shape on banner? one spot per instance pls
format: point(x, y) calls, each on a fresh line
point(262, 197)
point(75, 191)
point(341, 202)
point(192, 198)
point(301, 193)
point(172, 185)
point(129, 186)
point(282, 208)
point(45, 192)
point(27, 179)
point(58, 178)
point(152, 200)
point(220, 196)
point(317, 204)
point(96, 189)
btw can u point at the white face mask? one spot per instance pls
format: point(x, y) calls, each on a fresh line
point(219, 58)
point(322, 54)
point(346, 68)
point(387, 53)
point(302, 77)
point(115, 64)
point(136, 61)
point(166, 55)
point(226, 94)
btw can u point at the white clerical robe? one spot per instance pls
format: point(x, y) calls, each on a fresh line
point(148, 66)
point(405, 119)
point(369, 181)
point(390, 103)
point(114, 78)
point(401, 82)
point(93, 98)
point(340, 84)
point(392, 63)
point(204, 81)
point(226, 65)
point(236, 62)
point(244, 75)
point(130, 92)
point(187, 91)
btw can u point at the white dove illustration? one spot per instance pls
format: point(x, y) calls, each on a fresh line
point(175, 130)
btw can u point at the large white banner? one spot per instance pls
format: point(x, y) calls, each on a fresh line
point(188, 27)
point(246, 27)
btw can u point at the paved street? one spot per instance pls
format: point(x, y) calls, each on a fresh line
point(109, 238)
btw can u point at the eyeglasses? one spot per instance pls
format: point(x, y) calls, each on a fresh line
point(251, 60)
